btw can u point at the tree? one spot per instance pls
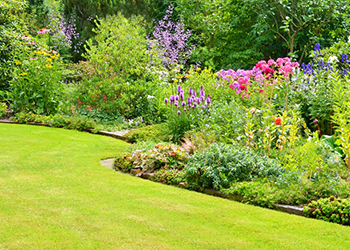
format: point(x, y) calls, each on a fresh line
point(298, 23)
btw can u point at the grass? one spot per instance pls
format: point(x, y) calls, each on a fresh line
point(54, 194)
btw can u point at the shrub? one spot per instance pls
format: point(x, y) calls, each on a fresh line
point(58, 120)
point(3, 109)
point(220, 165)
point(162, 156)
point(11, 29)
point(329, 209)
point(168, 176)
point(122, 162)
point(147, 133)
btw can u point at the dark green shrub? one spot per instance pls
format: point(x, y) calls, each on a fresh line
point(148, 133)
point(329, 209)
point(220, 165)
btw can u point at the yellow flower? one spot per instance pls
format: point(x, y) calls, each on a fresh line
point(49, 59)
point(190, 72)
point(48, 66)
point(18, 62)
point(179, 77)
point(23, 74)
point(206, 71)
point(187, 76)
point(216, 74)
point(176, 81)
point(198, 69)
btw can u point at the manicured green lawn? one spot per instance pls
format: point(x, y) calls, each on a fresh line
point(54, 194)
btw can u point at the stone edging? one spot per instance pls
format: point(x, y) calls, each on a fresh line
point(118, 134)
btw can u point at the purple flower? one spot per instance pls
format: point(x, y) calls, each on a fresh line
point(344, 58)
point(182, 96)
point(176, 103)
point(317, 48)
point(166, 100)
point(179, 89)
point(190, 91)
point(315, 121)
point(183, 103)
point(176, 97)
point(178, 112)
point(208, 99)
point(172, 98)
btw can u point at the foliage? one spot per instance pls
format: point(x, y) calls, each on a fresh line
point(341, 116)
point(329, 209)
point(304, 22)
point(152, 132)
point(168, 176)
point(11, 29)
point(221, 164)
point(3, 109)
point(57, 120)
point(161, 156)
point(293, 191)
point(122, 162)
point(31, 89)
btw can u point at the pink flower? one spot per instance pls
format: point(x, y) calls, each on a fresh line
point(271, 62)
point(31, 42)
point(261, 90)
point(252, 111)
point(318, 169)
point(43, 31)
point(25, 37)
point(33, 58)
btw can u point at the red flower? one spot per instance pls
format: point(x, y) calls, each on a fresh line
point(173, 153)
point(278, 121)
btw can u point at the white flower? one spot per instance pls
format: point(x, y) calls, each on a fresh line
point(333, 59)
point(349, 39)
point(150, 97)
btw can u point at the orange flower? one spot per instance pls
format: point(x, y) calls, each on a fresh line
point(278, 121)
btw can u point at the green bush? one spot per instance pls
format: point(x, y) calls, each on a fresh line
point(58, 120)
point(168, 176)
point(147, 133)
point(124, 82)
point(11, 30)
point(122, 162)
point(3, 109)
point(220, 165)
point(329, 209)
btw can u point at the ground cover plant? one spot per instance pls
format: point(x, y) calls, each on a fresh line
point(55, 194)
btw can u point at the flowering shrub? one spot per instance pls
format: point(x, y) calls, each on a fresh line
point(31, 88)
point(171, 40)
point(263, 80)
point(161, 156)
point(185, 113)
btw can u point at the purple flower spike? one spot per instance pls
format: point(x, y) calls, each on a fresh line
point(190, 91)
point(172, 98)
point(185, 109)
point(179, 112)
point(182, 96)
point(183, 103)
point(176, 103)
point(179, 89)
point(166, 100)
point(208, 99)
point(189, 100)
point(176, 97)
point(194, 92)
